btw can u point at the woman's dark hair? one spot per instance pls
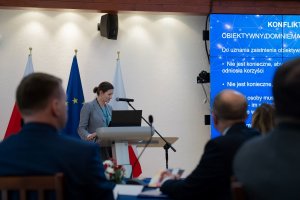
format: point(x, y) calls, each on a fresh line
point(104, 87)
point(263, 118)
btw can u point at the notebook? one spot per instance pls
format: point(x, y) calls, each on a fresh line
point(126, 118)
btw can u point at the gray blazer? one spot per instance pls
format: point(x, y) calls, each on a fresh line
point(91, 118)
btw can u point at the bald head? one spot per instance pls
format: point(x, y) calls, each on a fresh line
point(230, 105)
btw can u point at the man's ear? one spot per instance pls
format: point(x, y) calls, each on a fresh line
point(246, 116)
point(215, 119)
point(55, 107)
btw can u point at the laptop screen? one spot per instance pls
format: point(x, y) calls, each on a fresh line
point(126, 118)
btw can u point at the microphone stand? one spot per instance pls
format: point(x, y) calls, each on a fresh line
point(167, 144)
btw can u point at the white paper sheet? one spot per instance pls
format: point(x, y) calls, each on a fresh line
point(133, 190)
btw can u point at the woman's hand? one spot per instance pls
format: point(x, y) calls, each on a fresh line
point(91, 136)
point(166, 175)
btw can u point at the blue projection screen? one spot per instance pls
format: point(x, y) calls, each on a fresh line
point(245, 51)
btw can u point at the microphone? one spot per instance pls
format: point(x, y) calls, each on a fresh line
point(124, 99)
point(150, 118)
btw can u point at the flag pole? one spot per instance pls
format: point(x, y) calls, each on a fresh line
point(76, 52)
point(118, 52)
point(30, 50)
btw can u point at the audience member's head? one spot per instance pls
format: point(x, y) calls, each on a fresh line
point(286, 90)
point(41, 98)
point(229, 107)
point(263, 118)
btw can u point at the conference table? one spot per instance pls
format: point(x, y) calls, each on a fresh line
point(141, 197)
point(138, 192)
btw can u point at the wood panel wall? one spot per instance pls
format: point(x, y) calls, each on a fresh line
point(201, 7)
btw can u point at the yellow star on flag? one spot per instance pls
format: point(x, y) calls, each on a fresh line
point(75, 100)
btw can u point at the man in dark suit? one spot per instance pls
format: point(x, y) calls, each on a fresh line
point(211, 178)
point(38, 149)
point(268, 167)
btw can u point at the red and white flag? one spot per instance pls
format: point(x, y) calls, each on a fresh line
point(119, 91)
point(14, 124)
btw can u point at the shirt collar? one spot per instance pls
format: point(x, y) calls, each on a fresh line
point(226, 130)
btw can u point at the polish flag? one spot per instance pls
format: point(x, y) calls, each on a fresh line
point(119, 91)
point(15, 122)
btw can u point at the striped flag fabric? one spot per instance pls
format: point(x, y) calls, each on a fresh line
point(119, 91)
point(15, 121)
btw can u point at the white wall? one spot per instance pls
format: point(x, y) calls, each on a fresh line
point(161, 55)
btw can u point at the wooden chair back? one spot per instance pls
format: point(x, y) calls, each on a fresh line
point(237, 190)
point(39, 184)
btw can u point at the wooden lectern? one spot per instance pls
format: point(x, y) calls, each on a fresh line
point(119, 138)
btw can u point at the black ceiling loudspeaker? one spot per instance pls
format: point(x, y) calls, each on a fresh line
point(108, 26)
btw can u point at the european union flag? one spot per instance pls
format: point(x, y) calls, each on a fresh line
point(75, 100)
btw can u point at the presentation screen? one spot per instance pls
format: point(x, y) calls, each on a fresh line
point(245, 51)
